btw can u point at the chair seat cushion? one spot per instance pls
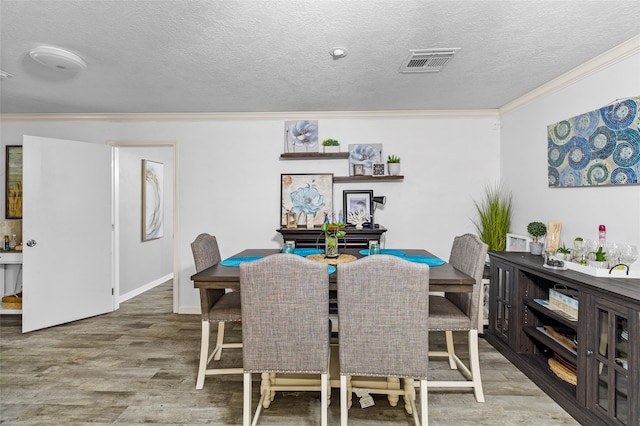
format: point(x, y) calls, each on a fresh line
point(444, 315)
point(227, 308)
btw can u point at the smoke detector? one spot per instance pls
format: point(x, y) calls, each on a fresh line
point(427, 60)
point(57, 58)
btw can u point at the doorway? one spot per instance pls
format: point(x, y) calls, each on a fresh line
point(142, 265)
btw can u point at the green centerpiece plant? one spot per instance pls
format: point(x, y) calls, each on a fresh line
point(494, 216)
point(332, 233)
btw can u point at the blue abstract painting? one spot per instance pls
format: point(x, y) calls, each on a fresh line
point(597, 148)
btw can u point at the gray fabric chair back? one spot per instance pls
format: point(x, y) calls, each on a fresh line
point(285, 308)
point(205, 251)
point(468, 254)
point(383, 310)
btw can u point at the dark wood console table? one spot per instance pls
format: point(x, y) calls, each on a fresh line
point(603, 349)
point(355, 238)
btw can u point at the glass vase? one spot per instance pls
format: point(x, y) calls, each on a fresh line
point(331, 246)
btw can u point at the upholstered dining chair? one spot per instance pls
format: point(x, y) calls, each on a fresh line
point(285, 326)
point(459, 311)
point(216, 306)
point(383, 308)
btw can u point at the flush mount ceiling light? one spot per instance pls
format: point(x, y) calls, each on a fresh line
point(338, 52)
point(57, 58)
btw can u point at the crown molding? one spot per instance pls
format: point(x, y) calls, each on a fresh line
point(226, 116)
point(605, 60)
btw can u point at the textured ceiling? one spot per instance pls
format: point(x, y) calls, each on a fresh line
point(273, 56)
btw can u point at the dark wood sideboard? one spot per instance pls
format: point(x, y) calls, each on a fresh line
point(604, 344)
point(355, 238)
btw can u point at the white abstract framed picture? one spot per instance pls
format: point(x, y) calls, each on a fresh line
point(518, 243)
point(152, 200)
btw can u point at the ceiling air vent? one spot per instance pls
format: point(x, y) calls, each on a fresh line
point(427, 60)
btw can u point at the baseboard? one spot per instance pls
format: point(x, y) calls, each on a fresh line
point(146, 287)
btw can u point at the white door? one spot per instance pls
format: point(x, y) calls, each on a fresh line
point(67, 231)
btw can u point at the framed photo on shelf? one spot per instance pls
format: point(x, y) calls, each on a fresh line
point(358, 170)
point(517, 243)
point(365, 155)
point(305, 195)
point(357, 200)
point(378, 169)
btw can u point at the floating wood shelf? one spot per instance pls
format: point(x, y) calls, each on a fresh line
point(314, 155)
point(366, 178)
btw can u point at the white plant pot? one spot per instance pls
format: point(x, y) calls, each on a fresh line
point(394, 169)
point(536, 248)
point(332, 148)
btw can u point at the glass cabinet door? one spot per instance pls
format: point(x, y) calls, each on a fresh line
point(502, 288)
point(611, 386)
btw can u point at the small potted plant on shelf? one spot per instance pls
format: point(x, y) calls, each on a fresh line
point(393, 165)
point(536, 230)
point(564, 252)
point(598, 259)
point(330, 145)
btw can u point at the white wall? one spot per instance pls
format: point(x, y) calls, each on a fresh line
point(148, 263)
point(524, 161)
point(228, 175)
point(228, 169)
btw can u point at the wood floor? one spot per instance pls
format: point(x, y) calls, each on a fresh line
point(138, 365)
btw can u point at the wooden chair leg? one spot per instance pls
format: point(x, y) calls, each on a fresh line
point(204, 355)
point(450, 349)
point(344, 404)
point(393, 383)
point(219, 341)
point(409, 396)
point(324, 386)
point(424, 406)
point(246, 400)
point(474, 361)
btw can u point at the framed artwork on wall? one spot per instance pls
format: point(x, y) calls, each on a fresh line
point(360, 200)
point(152, 200)
point(597, 148)
point(13, 182)
point(301, 136)
point(305, 195)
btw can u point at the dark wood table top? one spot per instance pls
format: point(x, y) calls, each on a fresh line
point(441, 278)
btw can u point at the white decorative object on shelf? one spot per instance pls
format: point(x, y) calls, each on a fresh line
point(357, 218)
point(603, 272)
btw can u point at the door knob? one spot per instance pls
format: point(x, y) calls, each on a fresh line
point(31, 243)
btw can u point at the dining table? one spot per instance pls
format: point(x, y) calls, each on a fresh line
point(442, 278)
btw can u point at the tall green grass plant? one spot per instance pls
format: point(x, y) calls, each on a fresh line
point(494, 216)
